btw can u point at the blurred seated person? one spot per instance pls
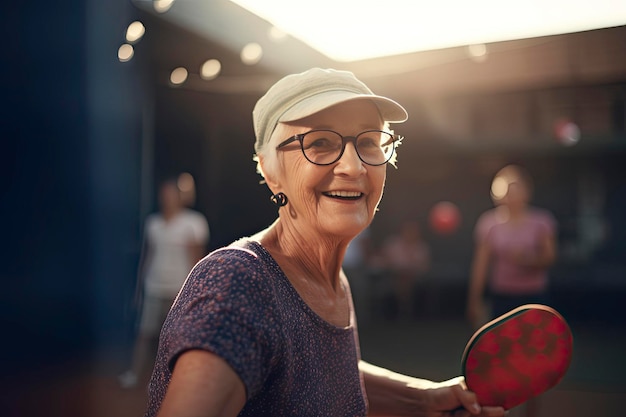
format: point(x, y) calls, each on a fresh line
point(407, 258)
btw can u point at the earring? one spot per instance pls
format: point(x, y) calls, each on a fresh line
point(280, 199)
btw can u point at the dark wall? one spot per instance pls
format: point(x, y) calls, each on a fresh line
point(70, 160)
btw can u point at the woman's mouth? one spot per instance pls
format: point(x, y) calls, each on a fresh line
point(344, 195)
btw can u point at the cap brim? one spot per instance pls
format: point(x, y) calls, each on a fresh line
point(390, 110)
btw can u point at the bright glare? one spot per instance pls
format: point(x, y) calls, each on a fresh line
point(349, 30)
point(478, 52)
point(178, 76)
point(276, 34)
point(251, 53)
point(162, 6)
point(125, 53)
point(135, 31)
point(186, 182)
point(210, 69)
point(499, 187)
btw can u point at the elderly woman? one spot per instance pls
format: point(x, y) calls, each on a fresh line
point(265, 326)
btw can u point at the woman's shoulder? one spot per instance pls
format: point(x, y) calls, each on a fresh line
point(242, 258)
point(233, 269)
point(487, 219)
point(238, 251)
point(542, 216)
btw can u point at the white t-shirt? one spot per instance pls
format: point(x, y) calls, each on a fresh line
point(170, 261)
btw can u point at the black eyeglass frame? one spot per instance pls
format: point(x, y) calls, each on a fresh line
point(344, 139)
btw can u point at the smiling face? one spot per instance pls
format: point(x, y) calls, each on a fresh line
point(335, 200)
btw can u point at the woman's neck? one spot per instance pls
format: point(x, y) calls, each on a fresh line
point(305, 255)
point(169, 213)
point(517, 214)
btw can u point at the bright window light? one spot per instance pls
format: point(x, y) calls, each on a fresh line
point(349, 30)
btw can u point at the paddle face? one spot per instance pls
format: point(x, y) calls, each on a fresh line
point(517, 356)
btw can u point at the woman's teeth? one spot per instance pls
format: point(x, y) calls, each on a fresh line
point(343, 194)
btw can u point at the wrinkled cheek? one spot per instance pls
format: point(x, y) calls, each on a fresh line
point(379, 198)
point(309, 204)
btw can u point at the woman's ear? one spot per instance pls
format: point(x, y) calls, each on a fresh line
point(268, 174)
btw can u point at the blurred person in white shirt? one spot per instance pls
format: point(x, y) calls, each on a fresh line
point(175, 238)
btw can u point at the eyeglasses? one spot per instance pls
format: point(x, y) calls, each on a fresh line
point(325, 147)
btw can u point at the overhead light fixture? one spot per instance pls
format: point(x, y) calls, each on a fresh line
point(350, 30)
point(162, 6)
point(276, 34)
point(135, 31)
point(179, 75)
point(125, 52)
point(251, 53)
point(210, 69)
point(477, 52)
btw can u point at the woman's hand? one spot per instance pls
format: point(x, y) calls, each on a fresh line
point(392, 394)
point(452, 399)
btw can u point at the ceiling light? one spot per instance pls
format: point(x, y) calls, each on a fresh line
point(135, 31)
point(276, 34)
point(125, 52)
point(162, 6)
point(478, 52)
point(210, 69)
point(251, 53)
point(178, 76)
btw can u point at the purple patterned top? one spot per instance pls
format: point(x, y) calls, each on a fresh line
point(238, 304)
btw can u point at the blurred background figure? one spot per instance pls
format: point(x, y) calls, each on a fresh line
point(515, 246)
point(407, 259)
point(175, 238)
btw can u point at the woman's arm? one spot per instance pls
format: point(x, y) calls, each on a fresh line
point(393, 394)
point(203, 385)
point(477, 283)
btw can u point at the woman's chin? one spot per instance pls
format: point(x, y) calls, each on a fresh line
point(346, 226)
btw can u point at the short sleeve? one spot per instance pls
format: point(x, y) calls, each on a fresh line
point(547, 222)
point(149, 226)
point(483, 226)
point(226, 307)
point(199, 228)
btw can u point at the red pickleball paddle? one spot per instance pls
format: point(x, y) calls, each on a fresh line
point(517, 356)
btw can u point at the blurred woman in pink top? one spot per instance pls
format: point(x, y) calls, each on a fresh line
point(515, 246)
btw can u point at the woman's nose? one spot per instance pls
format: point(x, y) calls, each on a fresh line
point(350, 162)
